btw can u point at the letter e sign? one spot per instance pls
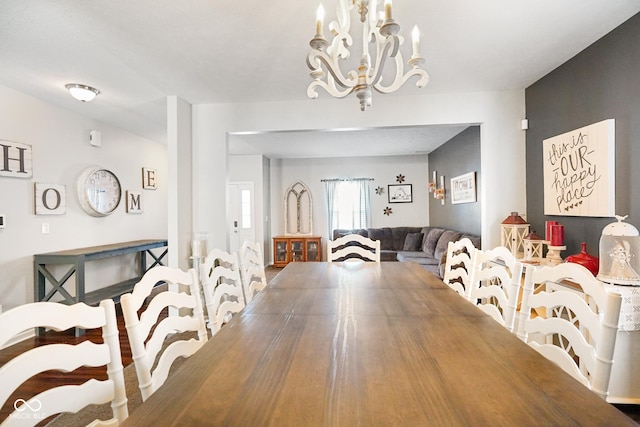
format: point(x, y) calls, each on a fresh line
point(50, 199)
point(149, 179)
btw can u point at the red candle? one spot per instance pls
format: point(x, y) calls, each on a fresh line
point(548, 224)
point(557, 235)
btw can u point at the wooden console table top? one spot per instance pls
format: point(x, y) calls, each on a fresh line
point(109, 249)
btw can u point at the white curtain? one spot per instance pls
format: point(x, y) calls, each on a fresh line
point(348, 204)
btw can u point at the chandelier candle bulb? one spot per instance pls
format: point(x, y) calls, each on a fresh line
point(387, 10)
point(415, 37)
point(319, 20)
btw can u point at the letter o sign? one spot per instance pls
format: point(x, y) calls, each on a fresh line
point(50, 199)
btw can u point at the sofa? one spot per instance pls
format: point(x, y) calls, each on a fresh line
point(426, 246)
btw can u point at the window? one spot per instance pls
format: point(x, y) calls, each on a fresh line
point(348, 204)
point(245, 202)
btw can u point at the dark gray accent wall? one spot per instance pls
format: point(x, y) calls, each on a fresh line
point(460, 155)
point(602, 82)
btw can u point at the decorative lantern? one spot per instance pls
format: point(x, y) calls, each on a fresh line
point(513, 231)
point(620, 254)
point(533, 244)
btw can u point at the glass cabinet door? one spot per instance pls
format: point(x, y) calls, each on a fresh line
point(313, 251)
point(297, 250)
point(281, 251)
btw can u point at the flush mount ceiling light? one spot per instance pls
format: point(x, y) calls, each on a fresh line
point(379, 36)
point(81, 92)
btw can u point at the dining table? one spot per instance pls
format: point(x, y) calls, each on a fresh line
point(368, 344)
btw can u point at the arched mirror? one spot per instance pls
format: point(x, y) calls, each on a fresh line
point(298, 207)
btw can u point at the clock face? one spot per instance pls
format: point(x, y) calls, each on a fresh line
point(99, 191)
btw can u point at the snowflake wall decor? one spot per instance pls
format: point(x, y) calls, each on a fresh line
point(400, 178)
point(388, 211)
point(379, 191)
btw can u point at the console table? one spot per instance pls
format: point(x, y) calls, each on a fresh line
point(76, 260)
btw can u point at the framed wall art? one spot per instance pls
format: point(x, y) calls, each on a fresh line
point(579, 171)
point(400, 193)
point(463, 188)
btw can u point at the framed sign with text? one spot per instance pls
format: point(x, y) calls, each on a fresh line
point(463, 188)
point(579, 171)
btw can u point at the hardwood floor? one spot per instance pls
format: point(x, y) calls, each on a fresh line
point(48, 379)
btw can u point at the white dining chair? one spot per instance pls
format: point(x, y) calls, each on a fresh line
point(576, 329)
point(222, 287)
point(457, 267)
point(353, 247)
point(157, 342)
point(495, 284)
point(252, 271)
point(63, 358)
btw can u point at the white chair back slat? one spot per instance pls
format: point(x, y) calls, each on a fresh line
point(576, 330)
point(353, 247)
point(495, 284)
point(222, 287)
point(64, 358)
point(457, 267)
point(252, 271)
point(145, 349)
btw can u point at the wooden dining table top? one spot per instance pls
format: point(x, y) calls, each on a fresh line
point(368, 344)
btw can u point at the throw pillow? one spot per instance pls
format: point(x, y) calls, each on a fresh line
point(413, 242)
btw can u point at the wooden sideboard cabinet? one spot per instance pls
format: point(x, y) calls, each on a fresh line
point(288, 249)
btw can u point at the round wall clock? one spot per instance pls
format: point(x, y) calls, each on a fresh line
point(99, 191)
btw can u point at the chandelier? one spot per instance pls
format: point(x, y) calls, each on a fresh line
point(379, 30)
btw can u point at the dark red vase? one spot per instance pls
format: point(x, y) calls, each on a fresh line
point(591, 262)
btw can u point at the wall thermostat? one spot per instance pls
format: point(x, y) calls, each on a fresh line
point(95, 138)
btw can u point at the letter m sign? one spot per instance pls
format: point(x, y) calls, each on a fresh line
point(15, 159)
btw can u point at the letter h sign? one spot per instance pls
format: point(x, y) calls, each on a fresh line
point(15, 160)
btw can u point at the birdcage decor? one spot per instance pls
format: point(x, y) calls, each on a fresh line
point(513, 231)
point(533, 244)
point(620, 254)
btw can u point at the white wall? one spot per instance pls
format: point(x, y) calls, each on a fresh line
point(498, 113)
point(383, 170)
point(61, 150)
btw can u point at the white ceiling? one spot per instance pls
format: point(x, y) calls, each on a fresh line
point(138, 52)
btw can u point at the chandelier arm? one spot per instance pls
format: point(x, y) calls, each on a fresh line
point(316, 58)
point(340, 28)
point(401, 78)
point(388, 49)
point(329, 87)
